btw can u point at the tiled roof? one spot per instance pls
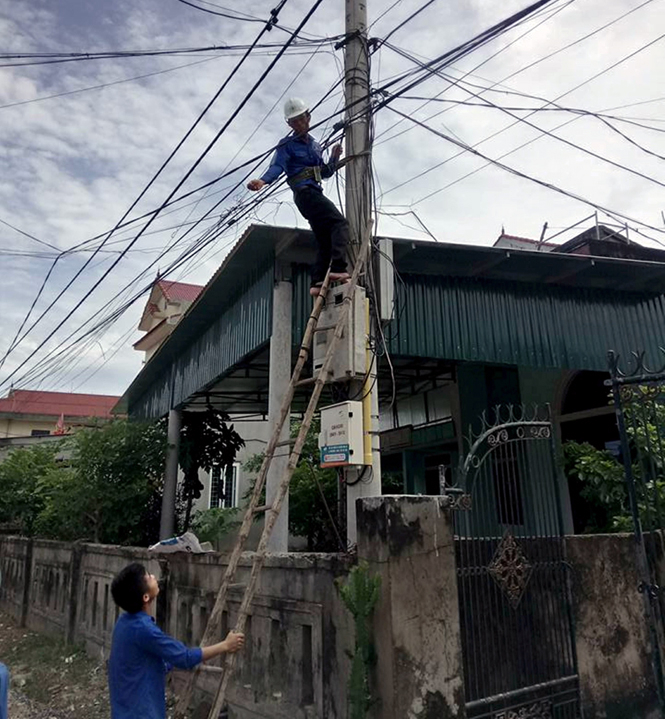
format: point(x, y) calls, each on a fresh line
point(522, 240)
point(517, 237)
point(179, 290)
point(22, 401)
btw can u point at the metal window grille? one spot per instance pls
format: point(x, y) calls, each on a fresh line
point(223, 486)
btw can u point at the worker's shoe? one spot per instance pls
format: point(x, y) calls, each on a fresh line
point(315, 290)
point(340, 276)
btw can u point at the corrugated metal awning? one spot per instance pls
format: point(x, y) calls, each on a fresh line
point(455, 302)
point(518, 323)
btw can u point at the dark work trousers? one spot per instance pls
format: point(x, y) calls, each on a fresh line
point(330, 229)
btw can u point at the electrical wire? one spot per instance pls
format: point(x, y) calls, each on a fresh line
point(541, 59)
point(51, 58)
point(274, 14)
point(460, 51)
point(498, 132)
point(601, 116)
point(406, 117)
point(46, 366)
point(256, 159)
point(104, 85)
point(408, 19)
point(262, 122)
point(518, 173)
point(220, 14)
point(549, 133)
point(28, 235)
point(384, 13)
point(443, 60)
point(230, 10)
point(237, 16)
point(208, 237)
point(468, 48)
point(229, 222)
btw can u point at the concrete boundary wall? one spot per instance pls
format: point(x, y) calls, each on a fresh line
point(612, 635)
point(300, 636)
point(408, 542)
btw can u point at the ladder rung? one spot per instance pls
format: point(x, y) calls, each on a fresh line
point(263, 508)
point(305, 382)
point(325, 328)
point(285, 443)
point(309, 380)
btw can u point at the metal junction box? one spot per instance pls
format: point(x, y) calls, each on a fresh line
point(348, 362)
point(341, 438)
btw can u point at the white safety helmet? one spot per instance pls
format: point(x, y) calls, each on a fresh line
point(293, 107)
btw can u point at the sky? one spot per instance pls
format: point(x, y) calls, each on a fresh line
point(81, 140)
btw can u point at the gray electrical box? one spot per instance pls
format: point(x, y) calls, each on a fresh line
point(349, 359)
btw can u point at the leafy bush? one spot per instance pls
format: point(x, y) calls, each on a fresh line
point(22, 477)
point(601, 487)
point(312, 495)
point(101, 484)
point(210, 525)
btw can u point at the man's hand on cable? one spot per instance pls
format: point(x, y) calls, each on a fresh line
point(255, 185)
point(336, 153)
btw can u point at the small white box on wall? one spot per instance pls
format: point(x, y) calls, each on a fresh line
point(341, 437)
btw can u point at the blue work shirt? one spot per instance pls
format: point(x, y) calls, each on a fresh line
point(141, 656)
point(293, 154)
point(4, 691)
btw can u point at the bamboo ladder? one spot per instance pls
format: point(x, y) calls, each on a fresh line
point(272, 511)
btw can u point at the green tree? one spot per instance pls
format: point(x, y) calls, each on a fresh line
point(210, 525)
point(313, 495)
point(22, 474)
point(111, 490)
point(598, 476)
point(206, 440)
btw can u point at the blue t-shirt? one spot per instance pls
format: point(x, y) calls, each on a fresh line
point(4, 690)
point(141, 656)
point(293, 154)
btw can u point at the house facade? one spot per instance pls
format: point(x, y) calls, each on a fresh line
point(471, 328)
point(30, 416)
point(488, 358)
point(226, 486)
point(166, 305)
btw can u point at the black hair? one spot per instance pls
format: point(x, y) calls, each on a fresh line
point(129, 586)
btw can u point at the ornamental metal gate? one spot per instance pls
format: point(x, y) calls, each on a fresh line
point(513, 581)
point(638, 393)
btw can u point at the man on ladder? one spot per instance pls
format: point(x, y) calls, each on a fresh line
point(300, 156)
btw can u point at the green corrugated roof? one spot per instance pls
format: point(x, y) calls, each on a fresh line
point(457, 302)
point(527, 324)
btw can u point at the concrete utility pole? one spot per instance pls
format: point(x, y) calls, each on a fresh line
point(356, 72)
point(167, 519)
point(280, 377)
point(358, 213)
